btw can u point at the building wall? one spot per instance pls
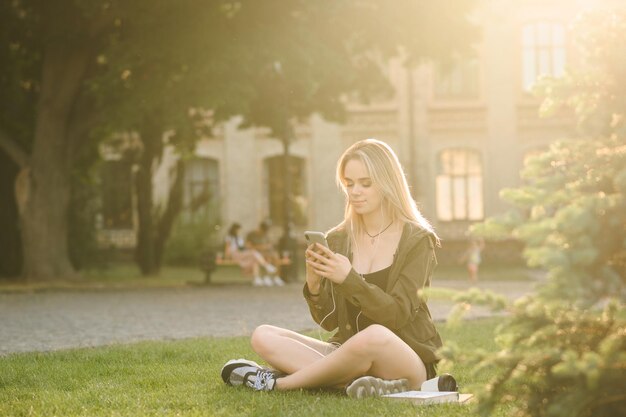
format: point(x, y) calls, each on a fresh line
point(501, 122)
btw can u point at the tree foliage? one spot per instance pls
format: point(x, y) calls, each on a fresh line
point(76, 70)
point(564, 347)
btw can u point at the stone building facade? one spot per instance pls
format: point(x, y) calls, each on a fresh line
point(461, 134)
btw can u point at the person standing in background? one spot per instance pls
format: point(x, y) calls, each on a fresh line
point(473, 258)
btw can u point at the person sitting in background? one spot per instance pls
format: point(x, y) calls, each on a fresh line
point(249, 260)
point(259, 240)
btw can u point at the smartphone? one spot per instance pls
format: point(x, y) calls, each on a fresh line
point(315, 237)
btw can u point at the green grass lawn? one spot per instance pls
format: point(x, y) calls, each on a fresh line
point(181, 378)
point(487, 273)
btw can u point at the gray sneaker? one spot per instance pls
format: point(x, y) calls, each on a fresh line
point(242, 372)
point(236, 378)
point(261, 380)
point(370, 386)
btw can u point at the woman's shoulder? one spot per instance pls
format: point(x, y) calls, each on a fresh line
point(337, 232)
point(414, 234)
point(336, 236)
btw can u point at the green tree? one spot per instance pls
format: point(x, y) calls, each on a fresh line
point(77, 70)
point(43, 73)
point(168, 59)
point(271, 62)
point(564, 348)
point(315, 54)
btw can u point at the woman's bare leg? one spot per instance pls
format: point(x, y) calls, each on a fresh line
point(286, 350)
point(375, 351)
point(259, 258)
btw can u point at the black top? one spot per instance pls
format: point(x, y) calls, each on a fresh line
point(378, 278)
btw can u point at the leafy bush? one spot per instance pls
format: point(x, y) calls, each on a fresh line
point(191, 240)
point(563, 350)
point(85, 204)
point(576, 226)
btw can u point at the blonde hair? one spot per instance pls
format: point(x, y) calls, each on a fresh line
point(387, 176)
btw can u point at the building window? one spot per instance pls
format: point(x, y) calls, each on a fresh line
point(276, 184)
point(117, 208)
point(459, 185)
point(543, 51)
point(458, 80)
point(201, 192)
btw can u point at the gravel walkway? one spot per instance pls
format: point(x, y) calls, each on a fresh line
point(44, 321)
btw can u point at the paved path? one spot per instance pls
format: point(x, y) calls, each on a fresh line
point(53, 320)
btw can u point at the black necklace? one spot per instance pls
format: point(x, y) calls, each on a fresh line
point(373, 237)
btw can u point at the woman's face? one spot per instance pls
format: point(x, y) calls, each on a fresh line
point(364, 196)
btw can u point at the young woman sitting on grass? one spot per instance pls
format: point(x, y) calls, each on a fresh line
point(366, 286)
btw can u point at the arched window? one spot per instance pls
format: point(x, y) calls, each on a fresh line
point(460, 185)
point(201, 189)
point(543, 51)
point(276, 185)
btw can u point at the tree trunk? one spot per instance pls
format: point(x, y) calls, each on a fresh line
point(10, 243)
point(43, 189)
point(144, 252)
point(287, 220)
point(154, 226)
point(287, 242)
point(151, 233)
point(174, 206)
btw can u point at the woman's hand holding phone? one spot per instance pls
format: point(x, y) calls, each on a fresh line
point(322, 262)
point(314, 238)
point(312, 278)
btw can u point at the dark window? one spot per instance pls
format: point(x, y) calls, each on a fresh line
point(276, 183)
point(201, 195)
point(117, 208)
point(458, 80)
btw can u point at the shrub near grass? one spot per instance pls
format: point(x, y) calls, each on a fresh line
point(564, 349)
point(181, 378)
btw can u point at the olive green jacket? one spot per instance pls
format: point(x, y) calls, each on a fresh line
point(399, 307)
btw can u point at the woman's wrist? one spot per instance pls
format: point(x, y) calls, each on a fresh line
point(314, 293)
point(314, 290)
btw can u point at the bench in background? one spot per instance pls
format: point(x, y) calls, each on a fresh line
point(213, 260)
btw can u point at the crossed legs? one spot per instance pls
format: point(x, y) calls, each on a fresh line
point(310, 363)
